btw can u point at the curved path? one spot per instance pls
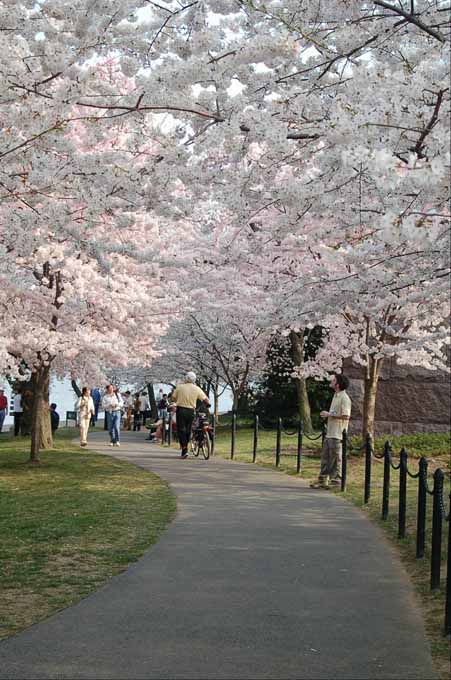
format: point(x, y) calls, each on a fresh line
point(257, 577)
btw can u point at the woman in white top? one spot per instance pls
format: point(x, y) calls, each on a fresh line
point(85, 406)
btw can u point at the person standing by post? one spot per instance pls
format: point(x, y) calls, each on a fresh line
point(86, 409)
point(112, 404)
point(18, 412)
point(338, 417)
point(3, 408)
point(186, 395)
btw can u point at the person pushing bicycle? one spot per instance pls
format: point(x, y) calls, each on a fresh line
point(186, 396)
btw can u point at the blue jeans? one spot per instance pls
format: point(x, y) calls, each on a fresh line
point(2, 417)
point(114, 425)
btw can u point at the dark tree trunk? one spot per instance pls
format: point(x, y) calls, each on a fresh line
point(41, 432)
point(297, 346)
point(236, 399)
point(152, 401)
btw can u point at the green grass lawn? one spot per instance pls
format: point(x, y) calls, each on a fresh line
point(436, 447)
point(69, 524)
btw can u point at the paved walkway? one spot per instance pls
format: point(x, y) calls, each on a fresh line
point(257, 577)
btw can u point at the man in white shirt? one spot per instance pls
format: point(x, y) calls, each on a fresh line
point(112, 404)
point(338, 417)
point(18, 412)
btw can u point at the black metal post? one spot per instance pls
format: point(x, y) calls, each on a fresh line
point(299, 453)
point(386, 487)
point(448, 577)
point(169, 429)
point(344, 460)
point(278, 440)
point(254, 451)
point(436, 545)
point(402, 494)
point(368, 451)
point(232, 446)
point(421, 507)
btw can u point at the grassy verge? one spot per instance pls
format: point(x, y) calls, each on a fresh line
point(435, 446)
point(68, 525)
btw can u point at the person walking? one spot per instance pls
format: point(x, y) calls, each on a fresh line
point(136, 413)
point(186, 396)
point(18, 412)
point(144, 407)
point(95, 394)
point(338, 417)
point(3, 408)
point(128, 410)
point(54, 418)
point(112, 404)
point(163, 406)
point(86, 409)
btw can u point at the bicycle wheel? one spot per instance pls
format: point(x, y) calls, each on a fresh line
point(195, 448)
point(206, 446)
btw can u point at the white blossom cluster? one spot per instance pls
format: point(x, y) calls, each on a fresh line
point(249, 164)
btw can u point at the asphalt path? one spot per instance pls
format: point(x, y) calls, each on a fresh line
point(258, 576)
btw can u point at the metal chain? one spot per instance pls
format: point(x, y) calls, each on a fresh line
point(424, 481)
point(356, 448)
point(290, 434)
point(411, 475)
point(378, 456)
point(390, 457)
point(312, 439)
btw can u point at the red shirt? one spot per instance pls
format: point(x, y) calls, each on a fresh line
point(3, 402)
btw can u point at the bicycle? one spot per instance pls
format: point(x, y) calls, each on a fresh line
point(201, 441)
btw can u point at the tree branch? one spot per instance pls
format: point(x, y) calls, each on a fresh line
point(411, 19)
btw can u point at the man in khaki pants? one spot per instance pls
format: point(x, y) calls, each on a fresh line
point(338, 417)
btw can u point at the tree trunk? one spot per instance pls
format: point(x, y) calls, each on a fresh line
point(297, 346)
point(41, 432)
point(372, 373)
point(216, 402)
point(236, 399)
point(152, 401)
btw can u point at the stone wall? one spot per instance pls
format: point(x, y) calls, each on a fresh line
point(409, 399)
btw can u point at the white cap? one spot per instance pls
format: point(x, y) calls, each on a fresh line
point(191, 377)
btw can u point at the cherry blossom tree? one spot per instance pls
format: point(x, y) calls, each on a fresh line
point(80, 255)
point(300, 148)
